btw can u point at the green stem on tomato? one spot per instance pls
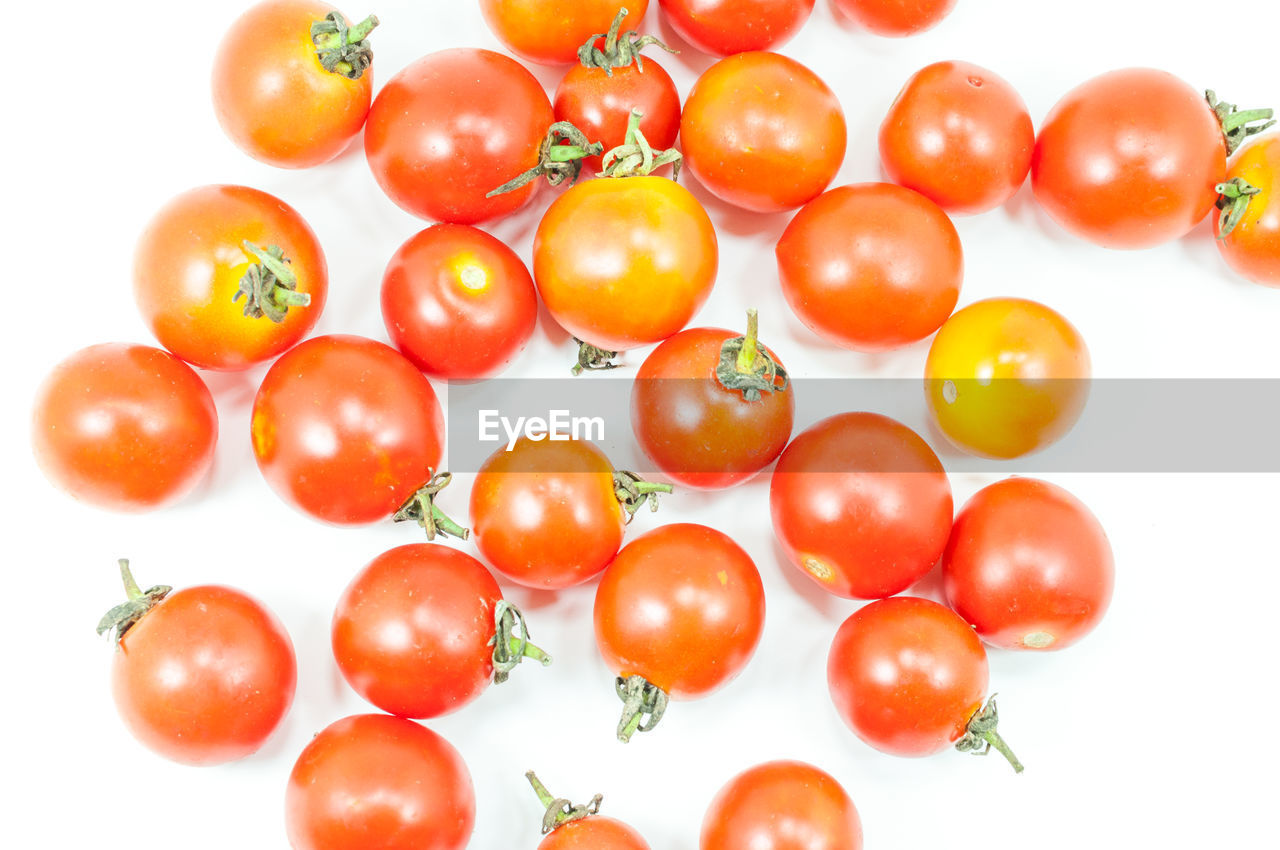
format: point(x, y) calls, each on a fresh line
point(342, 48)
point(635, 157)
point(981, 737)
point(643, 704)
point(593, 359)
point(620, 49)
point(1236, 194)
point(510, 642)
point(633, 492)
point(421, 508)
point(137, 603)
point(559, 158)
point(559, 810)
point(269, 286)
point(747, 368)
point(1238, 125)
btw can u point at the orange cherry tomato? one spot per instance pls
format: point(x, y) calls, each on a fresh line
point(582, 828)
point(726, 27)
point(896, 18)
point(782, 805)
point(1252, 248)
point(550, 32)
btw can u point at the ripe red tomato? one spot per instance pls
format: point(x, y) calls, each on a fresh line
point(1251, 246)
point(861, 505)
point(550, 32)
point(871, 266)
point(423, 630)
point(762, 132)
point(289, 97)
point(458, 302)
point(202, 676)
point(372, 780)
point(227, 276)
point(908, 676)
point(960, 135)
point(345, 429)
point(453, 126)
point(678, 615)
point(124, 427)
point(726, 27)
point(1028, 566)
point(782, 805)
point(896, 18)
point(570, 827)
point(706, 426)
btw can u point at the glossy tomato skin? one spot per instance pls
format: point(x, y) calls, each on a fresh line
point(907, 675)
point(458, 302)
point(1129, 159)
point(861, 505)
point(205, 677)
point(782, 805)
point(372, 780)
point(682, 606)
point(545, 514)
point(594, 833)
point(124, 427)
point(345, 429)
point(726, 27)
point(763, 132)
point(550, 32)
point(188, 265)
point(453, 126)
point(960, 135)
point(871, 266)
point(1029, 566)
point(698, 432)
point(272, 96)
point(1006, 377)
point(1252, 248)
point(600, 105)
point(896, 18)
point(625, 262)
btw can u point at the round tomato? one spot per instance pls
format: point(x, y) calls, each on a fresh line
point(458, 302)
point(872, 266)
point(1249, 239)
point(678, 614)
point(711, 407)
point(960, 135)
point(292, 83)
point(726, 27)
point(762, 132)
point(1006, 377)
point(550, 32)
point(227, 276)
point(1028, 566)
point(782, 805)
point(346, 430)
point(896, 18)
point(570, 827)
point(908, 676)
point(453, 126)
point(125, 427)
point(202, 676)
point(861, 505)
point(371, 780)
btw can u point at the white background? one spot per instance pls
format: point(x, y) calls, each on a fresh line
point(1159, 730)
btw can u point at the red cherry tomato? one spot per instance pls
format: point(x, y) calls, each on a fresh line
point(227, 276)
point(782, 805)
point(453, 126)
point(202, 676)
point(872, 266)
point(1252, 246)
point(763, 132)
point(458, 302)
point(372, 780)
point(1028, 566)
point(124, 427)
point(726, 27)
point(550, 32)
point(345, 429)
point(896, 18)
point(287, 97)
point(582, 828)
point(861, 505)
point(960, 135)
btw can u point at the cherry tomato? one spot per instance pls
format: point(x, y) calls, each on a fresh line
point(372, 780)
point(124, 427)
point(345, 429)
point(960, 135)
point(678, 615)
point(896, 18)
point(202, 676)
point(453, 126)
point(861, 505)
point(458, 302)
point(227, 276)
point(706, 426)
point(1252, 246)
point(1006, 377)
point(550, 32)
point(871, 266)
point(288, 97)
point(569, 827)
point(782, 805)
point(762, 132)
point(726, 27)
point(1028, 566)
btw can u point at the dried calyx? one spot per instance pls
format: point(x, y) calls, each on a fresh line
point(421, 508)
point(342, 49)
point(559, 809)
point(747, 368)
point(137, 603)
point(620, 49)
point(559, 158)
point(269, 286)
